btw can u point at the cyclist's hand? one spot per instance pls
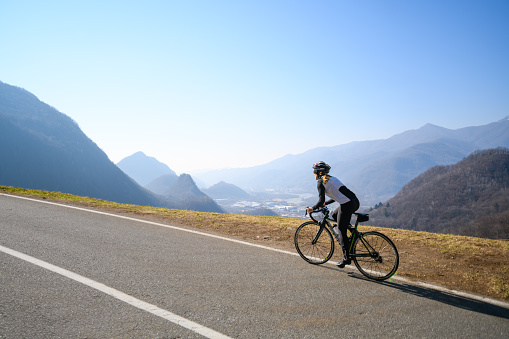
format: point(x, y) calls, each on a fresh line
point(309, 209)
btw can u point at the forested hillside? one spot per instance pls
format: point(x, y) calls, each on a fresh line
point(468, 198)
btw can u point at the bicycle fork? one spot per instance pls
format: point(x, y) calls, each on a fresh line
point(317, 235)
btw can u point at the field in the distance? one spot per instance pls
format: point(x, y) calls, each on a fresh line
point(462, 263)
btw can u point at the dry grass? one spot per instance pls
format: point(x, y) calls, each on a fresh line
point(470, 264)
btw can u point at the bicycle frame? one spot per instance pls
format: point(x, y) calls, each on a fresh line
point(373, 253)
point(353, 229)
point(322, 224)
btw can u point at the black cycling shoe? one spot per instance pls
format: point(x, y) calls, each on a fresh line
point(344, 262)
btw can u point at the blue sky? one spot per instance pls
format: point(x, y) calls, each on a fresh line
point(216, 84)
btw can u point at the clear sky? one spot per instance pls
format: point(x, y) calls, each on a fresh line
point(203, 84)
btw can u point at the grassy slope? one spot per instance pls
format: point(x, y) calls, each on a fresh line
point(463, 263)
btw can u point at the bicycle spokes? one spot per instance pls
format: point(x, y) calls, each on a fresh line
point(375, 255)
point(314, 243)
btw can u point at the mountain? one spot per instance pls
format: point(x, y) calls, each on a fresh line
point(375, 170)
point(161, 184)
point(383, 179)
point(179, 192)
point(223, 190)
point(143, 168)
point(467, 198)
point(184, 188)
point(186, 195)
point(42, 148)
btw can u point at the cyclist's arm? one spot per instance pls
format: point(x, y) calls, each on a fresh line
point(321, 195)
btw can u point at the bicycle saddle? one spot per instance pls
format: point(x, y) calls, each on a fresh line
point(362, 217)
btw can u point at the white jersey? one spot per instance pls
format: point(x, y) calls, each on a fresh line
point(335, 190)
point(332, 190)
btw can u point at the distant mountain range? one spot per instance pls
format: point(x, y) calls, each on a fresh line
point(144, 169)
point(184, 193)
point(375, 170)
point(467, 198)
point(162, 184)
point(223, 190)
point(41, 148)
point(179, 191)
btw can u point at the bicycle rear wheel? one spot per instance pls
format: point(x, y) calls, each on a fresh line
point(375, 255)
point(314, 244)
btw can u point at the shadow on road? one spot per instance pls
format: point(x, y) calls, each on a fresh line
point(441, 296)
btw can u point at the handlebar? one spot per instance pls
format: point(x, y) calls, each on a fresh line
point(323, 210)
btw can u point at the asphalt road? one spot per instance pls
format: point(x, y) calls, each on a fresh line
point(220, 286)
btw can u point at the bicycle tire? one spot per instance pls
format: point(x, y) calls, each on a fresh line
point(379, 264)
point(314, 253)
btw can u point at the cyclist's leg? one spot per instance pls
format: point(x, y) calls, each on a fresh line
point(343, 214)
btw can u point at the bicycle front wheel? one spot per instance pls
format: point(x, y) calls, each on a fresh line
point(375, 255)
point(314, 244)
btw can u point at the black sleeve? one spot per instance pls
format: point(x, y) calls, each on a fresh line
point(347, 193)
point(321, 195)
point(330, 201)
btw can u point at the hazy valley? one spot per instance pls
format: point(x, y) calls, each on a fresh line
point(42, 148)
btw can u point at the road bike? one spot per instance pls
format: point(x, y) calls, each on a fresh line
point(374, 254)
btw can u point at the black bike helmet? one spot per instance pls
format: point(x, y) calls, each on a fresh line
point(321, 167)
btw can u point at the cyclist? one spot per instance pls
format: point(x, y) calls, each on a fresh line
point(332, 187)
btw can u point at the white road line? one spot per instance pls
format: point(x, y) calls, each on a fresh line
point(195, 327)
point(395, 277)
